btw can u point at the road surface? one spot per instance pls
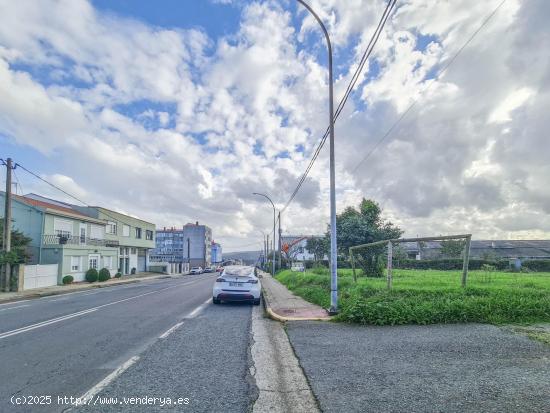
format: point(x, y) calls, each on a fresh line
point(66, 345)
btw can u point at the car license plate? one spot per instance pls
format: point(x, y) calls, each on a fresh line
point(235, 284)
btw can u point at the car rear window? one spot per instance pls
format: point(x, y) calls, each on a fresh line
point(239, 271)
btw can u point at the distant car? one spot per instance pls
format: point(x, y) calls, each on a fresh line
point(299, 267)
point(208, 269)
point(196, 270)
point(237, 283)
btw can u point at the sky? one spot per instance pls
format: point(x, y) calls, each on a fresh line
point(176, 111)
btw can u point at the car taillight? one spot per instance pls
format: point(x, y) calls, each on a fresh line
point(253, 281)
point(220, 280)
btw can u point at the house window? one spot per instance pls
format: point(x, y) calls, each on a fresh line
point(93, 261)
point(111, 228)
point(121, 250)
point(62, 227)
point(138, 232)
point(126, 230)
point(148, 235)
point(96, 232)
point(75, 263)
point(108, 262)
point(133, 251)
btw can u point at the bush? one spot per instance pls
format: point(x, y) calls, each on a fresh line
point(133, 271)
point(118, 275)
point(537, 265)
point(448, 264)
point(104, 275)
point(91, 275)
point(68, 279)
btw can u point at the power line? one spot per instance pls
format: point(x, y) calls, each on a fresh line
point(432, 81)
point(70, 195)
point(370, 47)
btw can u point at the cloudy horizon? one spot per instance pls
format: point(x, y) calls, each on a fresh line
point(180, 115)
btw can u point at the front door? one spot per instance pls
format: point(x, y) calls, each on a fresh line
point(126, 265)
point(82, 233)
point(93, 261)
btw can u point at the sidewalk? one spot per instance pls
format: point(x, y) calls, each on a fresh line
point(81, 286)
point(282, 305)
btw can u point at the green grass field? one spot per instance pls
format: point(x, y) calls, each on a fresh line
point(430, 296)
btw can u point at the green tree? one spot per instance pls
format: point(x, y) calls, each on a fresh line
point(318, 247)
point(452, 248)
point(362, 226)
point(19, 244)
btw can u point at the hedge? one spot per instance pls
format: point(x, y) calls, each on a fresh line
point(68, 279)
point(448, 264)
point(537, 265)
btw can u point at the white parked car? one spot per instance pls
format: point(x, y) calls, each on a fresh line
point(237, 283)
point(298, 266)
point(196, 270)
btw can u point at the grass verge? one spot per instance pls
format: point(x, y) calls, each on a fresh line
point(429, 297)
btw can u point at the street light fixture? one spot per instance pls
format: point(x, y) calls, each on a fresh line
point(272, 204)
point(333, 251)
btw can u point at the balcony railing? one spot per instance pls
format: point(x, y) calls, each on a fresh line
point(52, 239)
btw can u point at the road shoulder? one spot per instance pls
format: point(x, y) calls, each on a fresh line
point(282, 385)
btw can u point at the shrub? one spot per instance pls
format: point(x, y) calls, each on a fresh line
point(133, 271)
point(104, 275)
point(448, 264)
point(118, 275)
point(537, 265)
point(68, 279)
point(91, 275)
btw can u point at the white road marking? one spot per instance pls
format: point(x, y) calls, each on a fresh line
point(11, 308)
point(171, 330)
point(107, 380)
point(92, 309)
point(197, 310)
point(44, 323)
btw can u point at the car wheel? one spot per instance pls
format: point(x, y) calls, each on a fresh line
point(257, 301)
point(215, 300)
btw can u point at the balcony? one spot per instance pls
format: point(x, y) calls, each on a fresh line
point(53, 239)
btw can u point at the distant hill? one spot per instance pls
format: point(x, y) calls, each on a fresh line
point(248, 257)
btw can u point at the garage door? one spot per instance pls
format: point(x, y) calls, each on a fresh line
point(38, 276)
point(141, 264)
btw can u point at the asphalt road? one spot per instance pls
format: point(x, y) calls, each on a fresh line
point(65, 345)
point(439, 368)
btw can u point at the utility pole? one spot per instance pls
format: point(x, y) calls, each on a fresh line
point(7, 224)
point(267, 252)
point(333, 249)
point(189, 254)
point(280, 241)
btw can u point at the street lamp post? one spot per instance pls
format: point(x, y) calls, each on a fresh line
point(333, 251)
point(273, 205)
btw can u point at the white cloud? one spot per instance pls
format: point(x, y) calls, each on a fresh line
point(243, 113)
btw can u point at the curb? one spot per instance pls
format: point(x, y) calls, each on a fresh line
point(33, 296)
point(282, 319)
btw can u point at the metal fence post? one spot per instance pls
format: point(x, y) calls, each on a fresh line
point(390, 253)
point(466, 261)
point(353, 265)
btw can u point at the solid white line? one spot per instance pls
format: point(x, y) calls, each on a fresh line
point(105, 382)
point(89, 310)
point(44, 323)
point(11, 308)
point(171, 330)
